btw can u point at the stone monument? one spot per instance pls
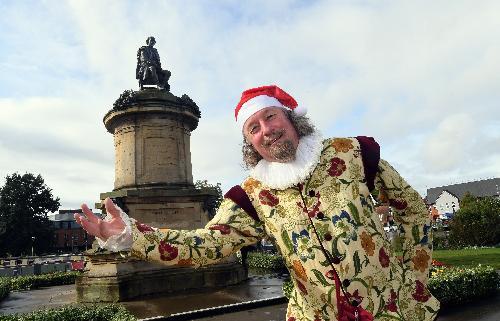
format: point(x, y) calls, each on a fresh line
point(153, 184)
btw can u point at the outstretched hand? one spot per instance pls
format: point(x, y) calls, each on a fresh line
point(96, 226)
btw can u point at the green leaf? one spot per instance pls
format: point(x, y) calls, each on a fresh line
point(343, 181)
point(357, 263)
point(320, 277)
point(431, 310)
point(416, 234)
point(354, 213)
point(287, 241)
point(325, 263)
point(150, 248)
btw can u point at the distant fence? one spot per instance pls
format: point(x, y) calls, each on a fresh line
point(40, 265)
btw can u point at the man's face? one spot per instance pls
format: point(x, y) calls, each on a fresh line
point(272, 135)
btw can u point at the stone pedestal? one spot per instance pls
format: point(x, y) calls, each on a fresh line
point(112, 278)
point(153, 184)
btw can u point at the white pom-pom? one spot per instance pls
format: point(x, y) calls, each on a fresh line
point(300, 110)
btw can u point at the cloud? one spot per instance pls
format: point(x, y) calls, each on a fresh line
point(422, 78)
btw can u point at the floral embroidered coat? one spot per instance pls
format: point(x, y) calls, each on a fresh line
point(336, 199)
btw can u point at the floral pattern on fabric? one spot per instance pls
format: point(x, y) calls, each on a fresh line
point(231, 229)
point(339, 203)
point(336, 198)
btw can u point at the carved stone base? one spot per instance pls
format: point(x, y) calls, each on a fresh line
point(111, 278)
point(163, 206)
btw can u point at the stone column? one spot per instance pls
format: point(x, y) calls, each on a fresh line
point(153, 184)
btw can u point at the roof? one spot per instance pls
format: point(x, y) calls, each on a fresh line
point(487, 187)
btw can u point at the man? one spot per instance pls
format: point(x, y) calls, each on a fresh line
point(313, 195)
point(148, 70)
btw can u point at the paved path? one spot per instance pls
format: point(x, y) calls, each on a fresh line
point(485, 311)
point(258, 287)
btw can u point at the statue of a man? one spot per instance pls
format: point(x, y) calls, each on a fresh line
point(148, 70)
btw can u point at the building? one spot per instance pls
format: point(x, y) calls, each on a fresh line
point(69, 236)
point(445, 200)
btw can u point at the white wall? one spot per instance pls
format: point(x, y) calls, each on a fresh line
point(446, 202)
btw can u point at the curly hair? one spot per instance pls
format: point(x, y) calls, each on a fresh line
point(302, 125)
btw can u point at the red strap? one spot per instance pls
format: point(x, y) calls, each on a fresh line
point(240, 197)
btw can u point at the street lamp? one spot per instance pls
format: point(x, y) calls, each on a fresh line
point(32, 245)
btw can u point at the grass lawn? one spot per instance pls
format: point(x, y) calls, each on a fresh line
point(469, 257)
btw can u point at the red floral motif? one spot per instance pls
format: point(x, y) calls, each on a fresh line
point(267, 198)
point(330, 274)
point(355, 295)
point(337, 167)
point(143, 228)
point(391, 303)
point(223, 228)
point(421, 293)
point(383, 258)
point(301, 287)
point(291, 319)
point(167, 251)
point(398, 204)
point(315, 209)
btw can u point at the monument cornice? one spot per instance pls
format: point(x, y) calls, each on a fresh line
point(152, 108)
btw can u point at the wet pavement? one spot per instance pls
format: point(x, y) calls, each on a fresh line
point(257, 287)
point(483, 311)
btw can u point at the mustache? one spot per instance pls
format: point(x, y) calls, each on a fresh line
point(275, 135)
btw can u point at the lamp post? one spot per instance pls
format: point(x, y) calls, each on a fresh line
point(32, 246)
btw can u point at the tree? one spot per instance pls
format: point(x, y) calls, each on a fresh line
point(25, 201)
point(477, 222)
point(213, 202)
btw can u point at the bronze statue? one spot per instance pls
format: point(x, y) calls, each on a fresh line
point(148, 70)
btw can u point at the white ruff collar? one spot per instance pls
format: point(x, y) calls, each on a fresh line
point(284, 175)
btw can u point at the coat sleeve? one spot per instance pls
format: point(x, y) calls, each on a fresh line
point(411, 216)
point(230, 230)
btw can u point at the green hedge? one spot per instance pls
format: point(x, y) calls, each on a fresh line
point(36, 281)
point(452, 286)
point(29, 282)
point(266, 261)
point(4, 287)
point(112, 312)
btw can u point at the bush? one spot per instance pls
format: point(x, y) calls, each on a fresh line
point(4, 287)
point(452, 286)
point(287, 288)
point(112, 312)
point(477, 223)
point(29, 282)
point(266, 261)
point(36, 281)
point(440, 242)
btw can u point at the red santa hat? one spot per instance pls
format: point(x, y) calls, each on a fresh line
point(255, 99)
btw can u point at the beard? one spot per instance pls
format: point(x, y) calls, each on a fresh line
point(284, 151)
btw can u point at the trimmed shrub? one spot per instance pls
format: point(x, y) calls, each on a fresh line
point(452, 286)
point(36, 281)
point(266, 261)
point(4, 287)
point(287, 288)
point(111, 312)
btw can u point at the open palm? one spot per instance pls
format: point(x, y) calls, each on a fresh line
point(96, 226)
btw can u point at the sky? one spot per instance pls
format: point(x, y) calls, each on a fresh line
point(421, 77)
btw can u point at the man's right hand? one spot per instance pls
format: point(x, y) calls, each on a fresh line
point(96, 226)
